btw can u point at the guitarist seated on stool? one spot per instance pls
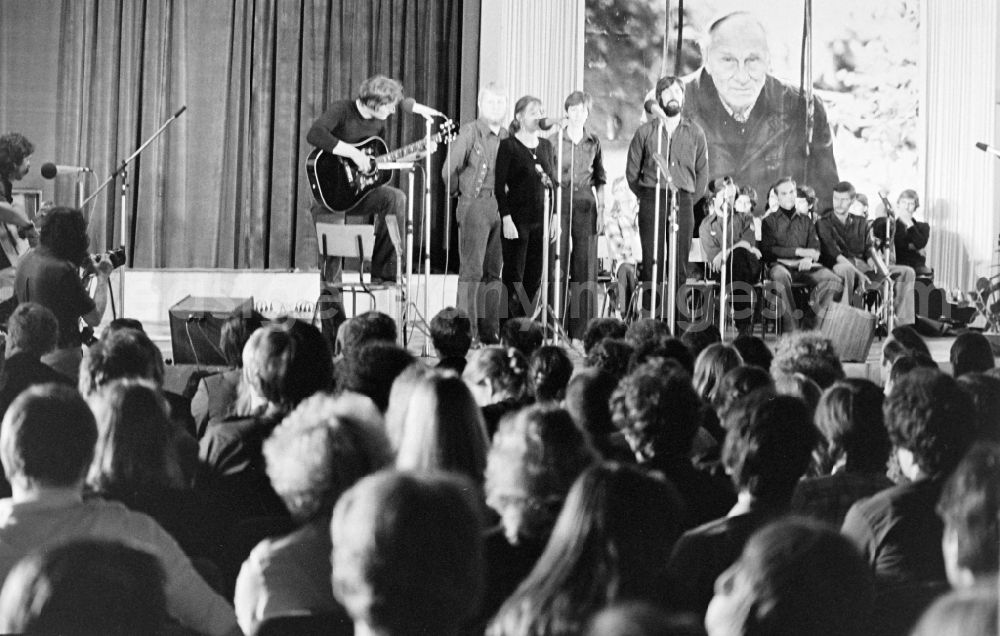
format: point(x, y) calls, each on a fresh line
point(49, 275)
point(346, 123)
point(15, 151)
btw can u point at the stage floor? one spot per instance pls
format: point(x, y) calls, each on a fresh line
point(149, 295)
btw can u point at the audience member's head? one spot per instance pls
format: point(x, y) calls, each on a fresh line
point(443, 429)
point(134, 450)
point(971, 353)
point(849, 417)
point(371, 326)
point(609, 543)
point(931, 422)
point(32, 329)
point(523, 334)
point(549, 370)
point(964, 612)
point(600, 328)
point(85, 587)
point(408, 553)
point(587, 397)
point(808, 353)
point(902, 341)
point(712, 363)
point(794, 578)
point(646, 329)
point(124, 354)
point(451, 333)
point(611, 355)
point(696, 340)
point(64, 232)
point(657, 409)
point(637, 618)
point(535, 457)
point(47, 439)
point(399, 398)
point(316, 454)
point(287, 361)
point(234, 335)
point(371, 369)
point(769, 444)
point(969, 507)
point(122, 323)
point(668, 348)
point(737, 384)
point(754, 351)
point(905, 363)
point(495, 374)
point(985, 393)
point(801, 386)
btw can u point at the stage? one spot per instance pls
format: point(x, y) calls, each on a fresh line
point(149, 295)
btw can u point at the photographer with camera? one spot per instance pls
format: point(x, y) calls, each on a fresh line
point(49, 275)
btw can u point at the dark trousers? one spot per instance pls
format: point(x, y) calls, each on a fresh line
point(481, 260)
point(742, 272)
point(648, 234)
point(578, 261)
point(522, 269)
point(380, 204)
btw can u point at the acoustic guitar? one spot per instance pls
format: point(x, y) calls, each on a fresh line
point(339, 185)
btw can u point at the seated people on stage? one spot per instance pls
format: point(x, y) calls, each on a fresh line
point(911, 236)
point(659, 412)
point(931, 423)
point(32, 332)
point(15, 164)
point(451, 333)
point(86, 586)
point(794, 578)
point(313, 456)
point(47, 506)
point(621, 229)
point(790, 250)
point(284, 363)
point(347, 122)
point(846, 247)
point(969, 505)
point(387, 586)
point(768, 446)
point(805, 201)
point(742, 258)
point(50, 276)
point(220, 393)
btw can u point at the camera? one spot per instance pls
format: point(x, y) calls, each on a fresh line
point(116, 257)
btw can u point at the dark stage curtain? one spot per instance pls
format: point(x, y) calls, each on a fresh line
point(225, 185)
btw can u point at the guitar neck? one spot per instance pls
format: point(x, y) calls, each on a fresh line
point(397, 154)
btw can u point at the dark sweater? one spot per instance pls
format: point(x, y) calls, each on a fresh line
point(519, 190)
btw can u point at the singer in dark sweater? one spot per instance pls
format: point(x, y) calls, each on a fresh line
point(525, 168)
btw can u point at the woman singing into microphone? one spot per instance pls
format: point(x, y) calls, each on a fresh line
point(525, 168)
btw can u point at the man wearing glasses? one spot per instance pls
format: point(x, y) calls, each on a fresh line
point(754, 123)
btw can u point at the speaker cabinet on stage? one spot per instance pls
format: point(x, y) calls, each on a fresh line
point(851, 330)
point(195, 325)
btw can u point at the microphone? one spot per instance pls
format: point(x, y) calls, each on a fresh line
point(50, 170)
point(653, 108)
point(545, 123)
point(411, 106)
point(988, 148)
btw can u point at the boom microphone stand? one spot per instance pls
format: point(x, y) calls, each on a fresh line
point(126, 230)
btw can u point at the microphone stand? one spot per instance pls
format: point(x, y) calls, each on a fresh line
point(126, 231)
point(722, 269)
point(557, 274)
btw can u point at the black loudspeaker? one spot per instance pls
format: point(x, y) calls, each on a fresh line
point(195, 325)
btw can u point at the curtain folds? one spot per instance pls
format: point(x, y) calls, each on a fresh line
point(959, 108)
point(225, 186)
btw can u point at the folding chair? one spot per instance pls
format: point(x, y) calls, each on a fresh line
point(354, 241)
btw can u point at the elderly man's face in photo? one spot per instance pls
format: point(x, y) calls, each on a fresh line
point(738, 61)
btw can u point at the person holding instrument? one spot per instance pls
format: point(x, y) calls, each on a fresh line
point(525, 168)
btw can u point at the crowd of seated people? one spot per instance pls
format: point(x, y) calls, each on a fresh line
point(656, 486)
